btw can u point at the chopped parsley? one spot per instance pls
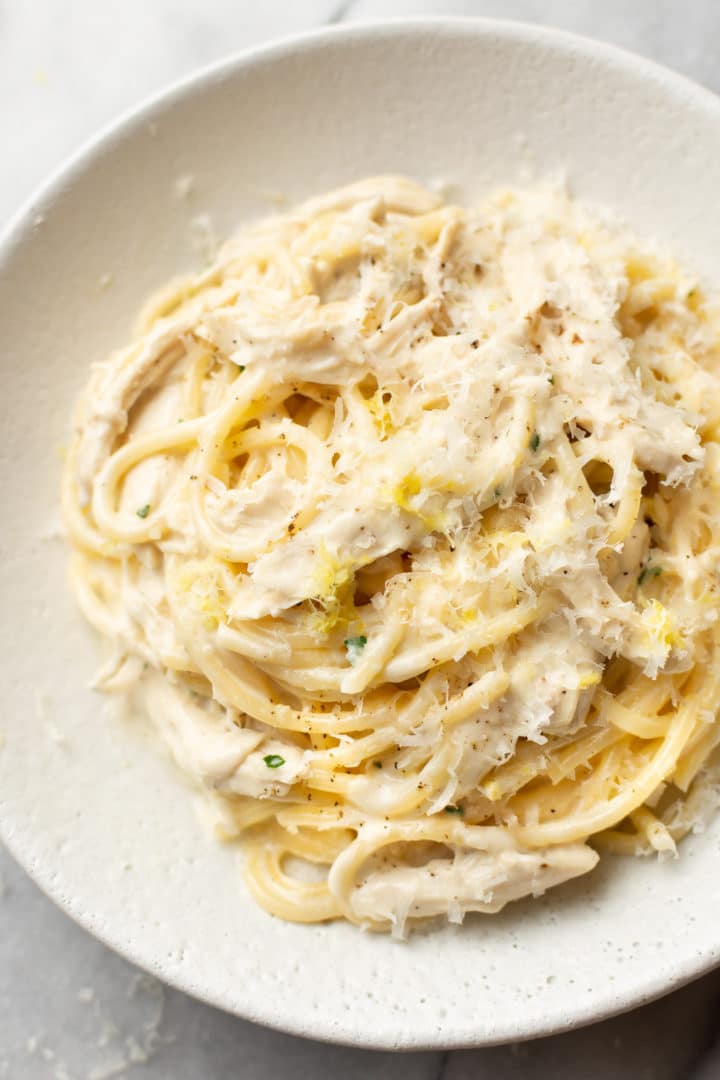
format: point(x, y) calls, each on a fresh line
point(273, 761)
point(143, 511)
point(241, 367)
point(377, 764)
point(551, 380)
point(454, 810)
point(355, 646)
point(535, 441)
point(649, 571)
point(497, 493)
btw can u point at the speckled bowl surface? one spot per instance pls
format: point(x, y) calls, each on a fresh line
point(91, 808)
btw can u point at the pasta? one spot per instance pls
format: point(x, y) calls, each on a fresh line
point(401, 520)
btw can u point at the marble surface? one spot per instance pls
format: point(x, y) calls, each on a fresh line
point(69, 1008)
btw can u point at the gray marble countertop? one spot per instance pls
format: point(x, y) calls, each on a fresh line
point(69, 1008)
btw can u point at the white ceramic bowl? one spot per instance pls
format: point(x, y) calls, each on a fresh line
point(99, 818)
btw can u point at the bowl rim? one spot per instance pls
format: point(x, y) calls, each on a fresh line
point(70, 169)
point(124, 123)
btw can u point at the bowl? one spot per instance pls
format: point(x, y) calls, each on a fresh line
point(93, 810)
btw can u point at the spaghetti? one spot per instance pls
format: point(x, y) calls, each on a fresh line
point(402, 519)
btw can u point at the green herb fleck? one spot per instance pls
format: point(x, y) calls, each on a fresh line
point(273, 761)
point(355, 646)
point(355, 642)
point(377, 764)
point(497, 493)
point(649, 571)
point(241, 367)
point(454, 810)
point(143, 511)
point(535, 441)
point(551, 380)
